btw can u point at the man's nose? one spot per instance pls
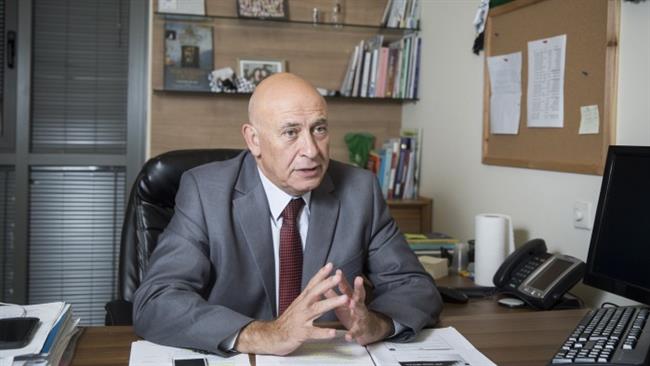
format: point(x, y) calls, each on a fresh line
point(309, 147)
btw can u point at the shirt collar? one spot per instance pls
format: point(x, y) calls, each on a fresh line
point(278, 199)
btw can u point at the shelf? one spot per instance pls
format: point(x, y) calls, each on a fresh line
point(191, 17)
point(246, 95)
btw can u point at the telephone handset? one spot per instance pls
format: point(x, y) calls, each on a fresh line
point(537, 277)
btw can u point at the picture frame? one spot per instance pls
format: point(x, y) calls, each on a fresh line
point(263, 9)
point(256, 70)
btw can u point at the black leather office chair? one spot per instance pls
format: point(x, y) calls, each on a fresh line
point(150, 207)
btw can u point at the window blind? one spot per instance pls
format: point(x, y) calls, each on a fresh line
point(7, 220)
point(75, 221)
point(79, 79)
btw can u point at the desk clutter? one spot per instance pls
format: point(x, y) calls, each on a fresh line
point(37, 334)
point(441, 346)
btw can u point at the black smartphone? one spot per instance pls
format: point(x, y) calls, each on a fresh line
point(191, 362)
point(17, 332)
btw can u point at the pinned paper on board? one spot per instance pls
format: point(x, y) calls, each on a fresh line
point(546, 63)
point(589, 120)
point(505, 93)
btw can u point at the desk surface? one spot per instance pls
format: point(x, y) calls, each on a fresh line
point(507, 336)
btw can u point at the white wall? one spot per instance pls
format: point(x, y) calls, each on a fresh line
point(450, 112)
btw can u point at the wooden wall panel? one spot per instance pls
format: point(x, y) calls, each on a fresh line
point(190, 120)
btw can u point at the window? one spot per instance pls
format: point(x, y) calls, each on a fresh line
point(74, 236)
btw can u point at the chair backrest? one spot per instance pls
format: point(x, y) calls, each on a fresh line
point(151, 206)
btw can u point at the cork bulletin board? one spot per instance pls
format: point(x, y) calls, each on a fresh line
point(591, 28)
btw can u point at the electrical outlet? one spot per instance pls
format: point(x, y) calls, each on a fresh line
point(582, 215)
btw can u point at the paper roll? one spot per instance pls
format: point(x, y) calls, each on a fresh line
point(494, 241)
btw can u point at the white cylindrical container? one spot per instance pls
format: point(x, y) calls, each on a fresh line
point(494, 241)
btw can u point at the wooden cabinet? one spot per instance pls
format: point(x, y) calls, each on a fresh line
point(412, 216)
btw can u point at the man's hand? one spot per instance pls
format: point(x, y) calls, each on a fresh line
point(364, 326)
point(295, 326)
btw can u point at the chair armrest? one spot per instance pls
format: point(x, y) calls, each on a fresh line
point(119, 312)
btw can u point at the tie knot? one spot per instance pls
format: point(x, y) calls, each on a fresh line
point(293, 207)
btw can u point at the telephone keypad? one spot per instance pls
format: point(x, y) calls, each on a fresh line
point(526, 270)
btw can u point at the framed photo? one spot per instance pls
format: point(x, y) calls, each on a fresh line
point(257, 70)
point(275, 9)
point(188, 56)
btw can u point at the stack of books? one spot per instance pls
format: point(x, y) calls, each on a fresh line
point(56, 329)
point(401, 14)
point(397, 165)
point(376, 70)
point(434, 243)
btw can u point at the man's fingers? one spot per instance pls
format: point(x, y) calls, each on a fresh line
point(344, 286)
point(320, 275)
point(318, 289)
point(359, 290)
point(328, 304)
point(322, 333)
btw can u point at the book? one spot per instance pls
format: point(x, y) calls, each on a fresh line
point(430, 238)
point(188, 56)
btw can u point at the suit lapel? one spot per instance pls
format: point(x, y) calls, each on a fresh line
point(250, 208)
point(324, 212)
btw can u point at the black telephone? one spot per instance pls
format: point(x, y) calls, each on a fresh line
point(537, 277)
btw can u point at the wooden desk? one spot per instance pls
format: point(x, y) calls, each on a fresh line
point(509, 337)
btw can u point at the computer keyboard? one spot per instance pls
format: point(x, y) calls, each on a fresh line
point(608, 336)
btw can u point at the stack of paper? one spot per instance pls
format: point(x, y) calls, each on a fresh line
point(443, 346)
point(56, 328)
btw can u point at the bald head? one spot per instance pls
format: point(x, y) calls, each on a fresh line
point(287, 133)
point(281, 89)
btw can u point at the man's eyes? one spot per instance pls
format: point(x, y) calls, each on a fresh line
point(321, 129)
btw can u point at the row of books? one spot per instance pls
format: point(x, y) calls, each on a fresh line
point(401, 14)
point(376, 70)
point(397, 166)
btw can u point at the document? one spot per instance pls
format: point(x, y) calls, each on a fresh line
point(432, 347)
point(589, 120)
point(545, 104)
point(505, 93)
point(145, 353)
point(334, 352)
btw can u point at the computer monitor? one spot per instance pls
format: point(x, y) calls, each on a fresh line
point(619, 253)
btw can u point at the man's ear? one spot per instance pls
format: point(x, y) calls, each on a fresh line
point(252, 138)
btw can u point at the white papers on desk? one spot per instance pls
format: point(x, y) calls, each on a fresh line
point(441, 346)
point(334, 352)
point(545, 102)
point(145, 353)
point(48, 314)
point(505, 93)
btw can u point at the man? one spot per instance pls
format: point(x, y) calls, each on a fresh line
point(262, 245)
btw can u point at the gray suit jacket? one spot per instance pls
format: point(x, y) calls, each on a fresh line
point(213, 271)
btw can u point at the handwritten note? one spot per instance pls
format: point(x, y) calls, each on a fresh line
point(589, 120)
point(505, 98)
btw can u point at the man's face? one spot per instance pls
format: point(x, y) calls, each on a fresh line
point(293, 141)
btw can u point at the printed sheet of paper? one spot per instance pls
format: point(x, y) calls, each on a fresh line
point(545, 104)
point(196, 7)
point(440, 346)
point(145, 353)
point(505, 98)
point(334, 352)
point(589, 120)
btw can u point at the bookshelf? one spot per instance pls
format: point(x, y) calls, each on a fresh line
point(318, 53)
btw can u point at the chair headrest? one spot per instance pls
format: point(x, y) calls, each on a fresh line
point(160, 176)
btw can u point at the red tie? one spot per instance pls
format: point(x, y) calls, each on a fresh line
point(290, 255)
